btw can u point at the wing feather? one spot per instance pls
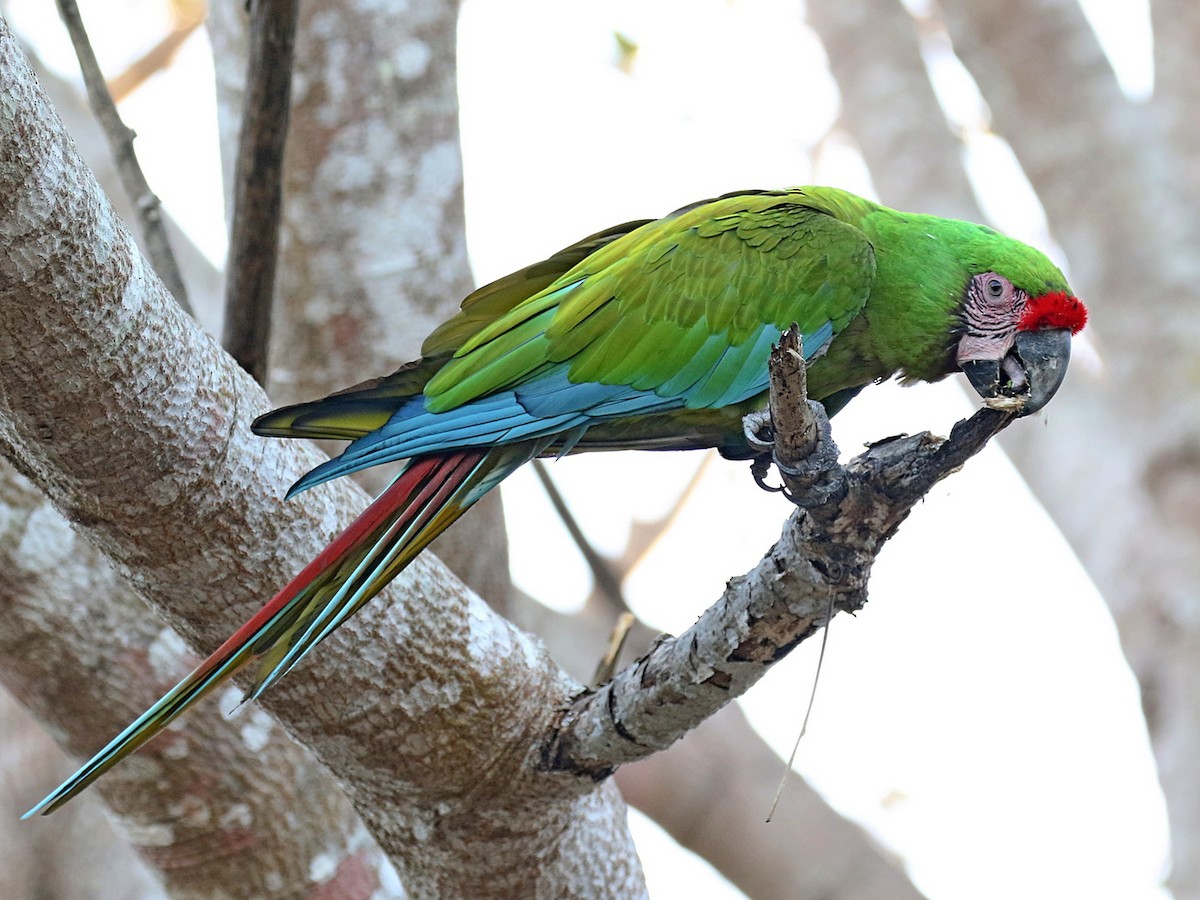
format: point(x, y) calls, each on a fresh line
point(726, 270)
point(650, 319)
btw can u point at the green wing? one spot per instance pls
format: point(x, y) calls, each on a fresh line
point(684, 307)
point(678, 314)
point(359, 410)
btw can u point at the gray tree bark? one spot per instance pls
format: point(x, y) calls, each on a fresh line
point(213, 806)
point(242, 766)
point(372, 247)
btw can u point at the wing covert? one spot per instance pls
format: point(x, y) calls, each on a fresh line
point(685, 307)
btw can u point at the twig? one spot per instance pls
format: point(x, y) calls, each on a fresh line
point(795, 424)
point(258, 192)
point(812, 699)
point(159, 56)
point(616, 641)
point(120, 138)
point(606, 579)
point(794, 432)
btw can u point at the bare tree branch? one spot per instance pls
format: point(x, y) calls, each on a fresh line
point(128, 464)
point(826, 549)
point(710, 791)
point(258, 186)
point(372, 254)
point(1115, 198)
point(607, 581)
point(120, 138)
point(1118, 193)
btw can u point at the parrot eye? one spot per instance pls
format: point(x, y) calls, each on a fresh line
point(995, 288)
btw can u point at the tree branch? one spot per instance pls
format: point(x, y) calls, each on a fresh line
point(709, 791)
point(120, 139)
point(258, 186)
point(148, 440)
point(827, 548)
point(354, 250)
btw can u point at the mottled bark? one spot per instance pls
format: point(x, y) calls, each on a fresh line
point(889, 107)
point(439, 752)
point(120, 138)
point(56, 576)
point(212, 805)
point(204, 282)
point(149, 454)
point(64, 859)
point(372, 247)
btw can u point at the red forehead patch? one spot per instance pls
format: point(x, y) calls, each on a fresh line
point(1056, 310)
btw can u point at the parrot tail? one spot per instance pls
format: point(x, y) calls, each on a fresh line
point(425, 499)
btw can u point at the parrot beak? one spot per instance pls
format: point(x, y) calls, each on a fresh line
point(1028, 376)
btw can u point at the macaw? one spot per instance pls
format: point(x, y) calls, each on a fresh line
point(653, 335)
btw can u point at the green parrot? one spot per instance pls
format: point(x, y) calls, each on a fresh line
point(653, 335)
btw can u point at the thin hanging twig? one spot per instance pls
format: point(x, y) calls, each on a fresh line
point(602, 571)
point(645, 533)
point(188, 17)
point(258, 192)
point(120, 138)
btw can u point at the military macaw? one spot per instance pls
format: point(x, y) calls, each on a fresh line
point(652, 335)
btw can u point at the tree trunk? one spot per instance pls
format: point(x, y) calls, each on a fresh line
point(149, 455)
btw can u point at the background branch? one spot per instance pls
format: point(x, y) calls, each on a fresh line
point(258, 185)
point(120, 139)
point(1119, 193)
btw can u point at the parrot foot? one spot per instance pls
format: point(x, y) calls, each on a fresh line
point(810, 481)
point(759, 432)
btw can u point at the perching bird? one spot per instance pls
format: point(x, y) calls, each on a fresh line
point(651, 335)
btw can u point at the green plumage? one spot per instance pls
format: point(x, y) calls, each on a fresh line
point(686, 307)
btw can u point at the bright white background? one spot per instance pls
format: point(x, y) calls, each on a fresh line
point(977, 717)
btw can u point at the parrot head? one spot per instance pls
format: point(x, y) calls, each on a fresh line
point(1015, 343)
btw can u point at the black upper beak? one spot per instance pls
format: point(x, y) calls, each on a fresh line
point(1044, 356)
point(1041, 355)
